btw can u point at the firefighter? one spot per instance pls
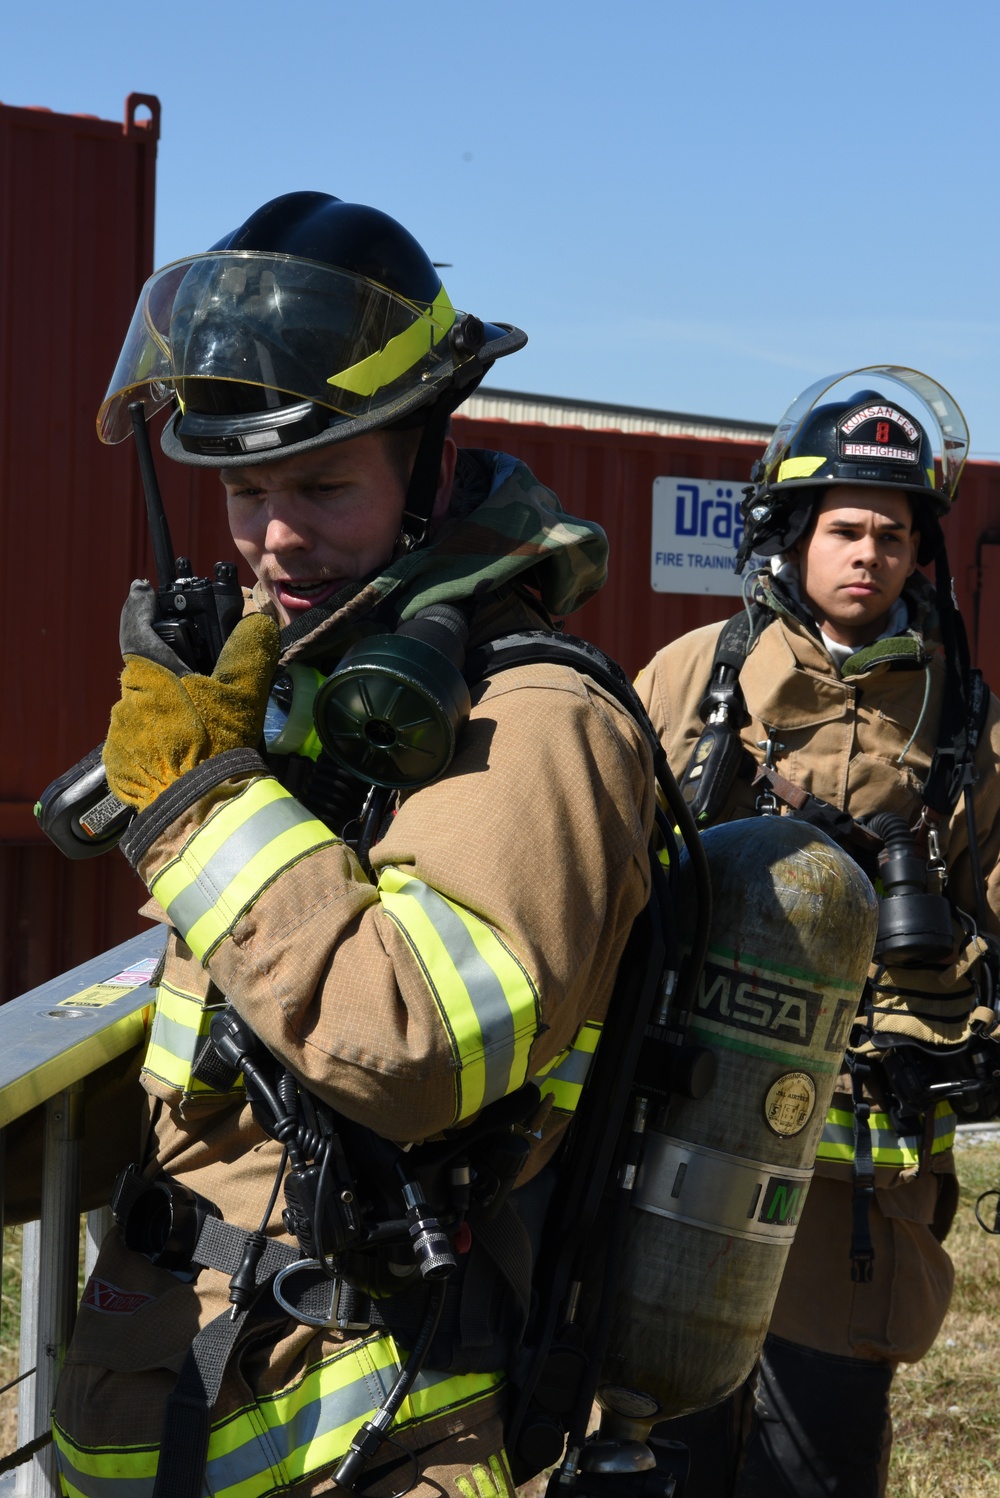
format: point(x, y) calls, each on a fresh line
point(845, 687)
point(350, 972)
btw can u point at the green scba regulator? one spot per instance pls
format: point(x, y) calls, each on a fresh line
point(390, 714)
point(721, 1179)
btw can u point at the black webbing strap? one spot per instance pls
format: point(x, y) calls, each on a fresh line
point(180, 1472)
point(222, 1246)
point(963, 709)
point(422, 488)
point(507, 1255)
point(863, 1176)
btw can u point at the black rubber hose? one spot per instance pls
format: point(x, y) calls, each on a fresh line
point(371, 1435)
point(687, 986)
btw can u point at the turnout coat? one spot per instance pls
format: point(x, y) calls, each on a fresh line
point(862, 740)
point(483, 949)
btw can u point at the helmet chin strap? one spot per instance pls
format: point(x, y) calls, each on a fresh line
point(422, 489)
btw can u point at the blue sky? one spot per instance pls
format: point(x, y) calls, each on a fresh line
point(700, 207)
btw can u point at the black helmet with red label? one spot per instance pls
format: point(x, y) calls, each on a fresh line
point(863, 437)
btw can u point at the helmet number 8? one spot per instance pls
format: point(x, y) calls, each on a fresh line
point(882, 432)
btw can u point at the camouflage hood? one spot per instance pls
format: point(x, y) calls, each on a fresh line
point(502, 526)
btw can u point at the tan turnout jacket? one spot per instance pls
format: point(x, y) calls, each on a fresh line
point(536, 838)
point(864, 743)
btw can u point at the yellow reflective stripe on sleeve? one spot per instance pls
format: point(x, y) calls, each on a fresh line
point(179, 1033)
point(888, 1147)
point(565, 1075)
point(284, 1438)
point(486, 998)
point(400, 353)
point(232, 858)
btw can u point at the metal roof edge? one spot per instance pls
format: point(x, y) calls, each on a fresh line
point(491, 403)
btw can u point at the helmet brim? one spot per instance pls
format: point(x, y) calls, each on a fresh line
point(234, 446)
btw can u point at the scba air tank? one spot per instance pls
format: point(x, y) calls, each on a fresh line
point(722, 1180)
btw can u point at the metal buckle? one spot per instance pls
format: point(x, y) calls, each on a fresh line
point(318, 1302)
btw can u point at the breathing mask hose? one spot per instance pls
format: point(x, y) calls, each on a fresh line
point(370, 1436)
point(691, 838)
point(961, 685)
point(601, 1336)
point(975, 862)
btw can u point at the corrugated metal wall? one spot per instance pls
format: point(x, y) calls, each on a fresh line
point(76, 236)
point(76, 243)
point(608, 477)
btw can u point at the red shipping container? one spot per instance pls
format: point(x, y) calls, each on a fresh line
point(77, 202)
point(76, 242)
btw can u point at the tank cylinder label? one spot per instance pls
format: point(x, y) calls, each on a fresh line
point(787, 1015)
point(724, 1193)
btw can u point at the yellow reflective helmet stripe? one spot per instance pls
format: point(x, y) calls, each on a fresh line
point(286, 1437)
point(798, 468)
point(888, 1147)
point(400, 353)
point(487, 1000)
point(227, 864)
point(178, 1035)
point(566, 1074)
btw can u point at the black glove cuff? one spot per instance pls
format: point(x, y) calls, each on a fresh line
point(168, 806)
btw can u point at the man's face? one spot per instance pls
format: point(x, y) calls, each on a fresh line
point(311, 523)
point(854, 561)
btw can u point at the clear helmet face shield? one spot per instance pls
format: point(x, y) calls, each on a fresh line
point(923, 398)
point(241, 331)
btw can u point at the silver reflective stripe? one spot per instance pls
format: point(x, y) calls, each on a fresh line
point(254, 1462)
point(93, 1486)
point(492, 1009)
point(182, 1041)
point(573, 1069)
point(725, 1193)
point(841, 1135)
point(309, 1423)
point(188, 907)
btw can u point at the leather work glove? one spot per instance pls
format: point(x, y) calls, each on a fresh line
point(169, 718)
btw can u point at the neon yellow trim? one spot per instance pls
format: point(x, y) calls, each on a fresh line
point(587, 1037)
point(251, 1453)
point(490, 1479)
point(460, 1010)
point(400, 353)
point(931, 477)
point(219, 827)
point(170, 1055)
point(61, 1071)
point(183, 884)
point(452, 998)
point(889, 1149)
point(252, 881)
point(798, 468)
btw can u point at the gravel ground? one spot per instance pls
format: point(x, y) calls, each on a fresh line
point(969, 1135)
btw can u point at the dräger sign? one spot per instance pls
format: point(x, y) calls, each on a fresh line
point(697, 528)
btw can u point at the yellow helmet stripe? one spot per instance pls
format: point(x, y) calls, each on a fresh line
point(401, 352)
point(798, 468)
